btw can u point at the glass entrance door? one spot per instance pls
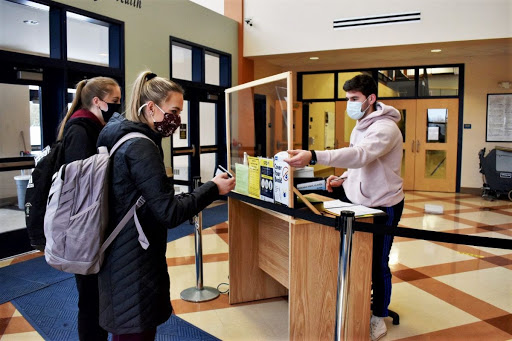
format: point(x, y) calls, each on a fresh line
point(199, 145)
point(20, 121)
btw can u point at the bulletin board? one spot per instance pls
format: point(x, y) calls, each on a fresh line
point(499, 118)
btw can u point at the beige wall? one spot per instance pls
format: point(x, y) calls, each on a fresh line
point(482, 77)
point(482, 74)
point(14, 118)
point(147, 32)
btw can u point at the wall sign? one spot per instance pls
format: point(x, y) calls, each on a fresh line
point(183, 131)
point(133, 3)
point(499, 118)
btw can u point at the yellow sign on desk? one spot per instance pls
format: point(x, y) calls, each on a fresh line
point(254, 176)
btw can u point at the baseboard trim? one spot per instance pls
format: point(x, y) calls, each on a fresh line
point(471, 190)
point(8, 201)
point(14, 243)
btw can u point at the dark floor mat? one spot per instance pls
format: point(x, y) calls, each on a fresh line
point(25, 277)
point(53, 312)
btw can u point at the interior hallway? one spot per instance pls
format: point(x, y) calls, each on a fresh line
point(441, 291)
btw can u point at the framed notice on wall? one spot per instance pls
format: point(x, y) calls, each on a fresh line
point(499, 118)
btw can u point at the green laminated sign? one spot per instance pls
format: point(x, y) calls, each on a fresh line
point(242, 178)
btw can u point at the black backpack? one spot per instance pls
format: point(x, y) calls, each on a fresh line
point(38, 188)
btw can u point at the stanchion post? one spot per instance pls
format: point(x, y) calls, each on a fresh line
point(346, 220)
point(199, 293)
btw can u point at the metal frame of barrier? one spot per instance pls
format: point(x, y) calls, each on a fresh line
point(347, 219)
point(199, 293)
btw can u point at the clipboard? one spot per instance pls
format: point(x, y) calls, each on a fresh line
point(306, 201)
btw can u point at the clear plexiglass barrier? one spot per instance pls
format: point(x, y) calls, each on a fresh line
point(259, 132)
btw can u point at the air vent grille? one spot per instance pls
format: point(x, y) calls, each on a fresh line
point(376, 20)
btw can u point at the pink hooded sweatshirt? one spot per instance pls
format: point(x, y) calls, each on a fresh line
point(373, 159)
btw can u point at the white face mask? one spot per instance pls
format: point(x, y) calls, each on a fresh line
point(354, 109)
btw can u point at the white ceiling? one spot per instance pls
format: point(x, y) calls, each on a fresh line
point(390, 55)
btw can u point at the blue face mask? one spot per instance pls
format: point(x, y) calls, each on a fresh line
point(354, 109)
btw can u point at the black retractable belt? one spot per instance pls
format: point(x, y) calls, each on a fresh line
point(406, 232)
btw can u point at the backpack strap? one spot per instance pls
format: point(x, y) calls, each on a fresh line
point(126, 138)
point(132, 212)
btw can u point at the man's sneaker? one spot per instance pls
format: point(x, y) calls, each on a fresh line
point(377, 328)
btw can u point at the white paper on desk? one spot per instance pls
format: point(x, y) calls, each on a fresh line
point(359, 210)
point(336, 204)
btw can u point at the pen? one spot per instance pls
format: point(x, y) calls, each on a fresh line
point(336, 179)
point(225, 171)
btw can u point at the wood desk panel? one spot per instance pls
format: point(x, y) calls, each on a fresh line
point(313, 282)
point(258, 250)
point(274, 248)
point(247, 281)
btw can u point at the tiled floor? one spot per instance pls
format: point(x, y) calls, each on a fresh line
point(441, 291)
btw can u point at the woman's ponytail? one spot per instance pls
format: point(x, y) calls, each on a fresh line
point(75, 105)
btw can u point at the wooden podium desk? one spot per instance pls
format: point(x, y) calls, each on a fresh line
point(273, 255)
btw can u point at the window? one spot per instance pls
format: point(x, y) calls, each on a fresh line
point(200, 145)
point(181, 61)
point(25, 28)
point(318, 86)
point(38, 41)
point(211, 68)
point(87, 40)
point(397, 83)
point(439, 81)
point(35, 117)
point(199, 64)
point(342, 78)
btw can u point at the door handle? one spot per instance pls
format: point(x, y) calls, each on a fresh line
point(417, 146)
point(413, 143)
point(191, 150)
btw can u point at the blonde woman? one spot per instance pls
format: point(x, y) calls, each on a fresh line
point(95, 101)
point(134, 283)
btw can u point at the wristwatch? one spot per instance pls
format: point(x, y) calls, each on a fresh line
point(313, 158)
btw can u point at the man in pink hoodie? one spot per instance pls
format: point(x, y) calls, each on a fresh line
point(372, 179)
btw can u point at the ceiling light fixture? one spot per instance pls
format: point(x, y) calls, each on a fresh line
point(31, 22)
point(314, 58)
point(435, 50)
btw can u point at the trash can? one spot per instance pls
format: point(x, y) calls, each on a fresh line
point(21, 187)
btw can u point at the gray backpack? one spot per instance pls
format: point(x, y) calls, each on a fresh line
point(77, 213)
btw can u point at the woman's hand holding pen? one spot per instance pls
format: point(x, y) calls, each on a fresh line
point(224, 183)
point(333, 181)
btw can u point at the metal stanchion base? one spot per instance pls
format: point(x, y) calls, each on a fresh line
point(199, 295)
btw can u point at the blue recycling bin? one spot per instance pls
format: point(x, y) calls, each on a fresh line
point(21, 187)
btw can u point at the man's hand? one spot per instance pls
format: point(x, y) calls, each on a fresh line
point(299, 158)
point(224, 183)
point(333, 181)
